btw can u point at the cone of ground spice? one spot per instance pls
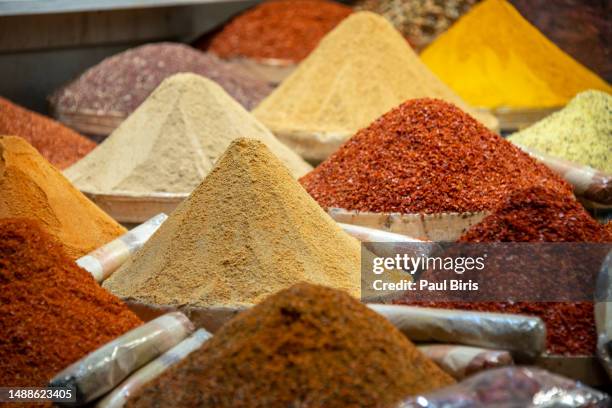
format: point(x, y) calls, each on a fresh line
point(58, 144)
point(285, 30)
point(115, 87)
point(540, 215)
point(32, 188)
point(52, 313)
point(248, 230)
point(360, 70)
point(306, 346)
point(426, 156)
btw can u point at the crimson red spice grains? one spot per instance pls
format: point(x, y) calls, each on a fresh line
point(52, 313)
point(283, 29)
point(119, 84)
point(539, 215)
point(58, 144)
point(306, 346)
point(426, 156)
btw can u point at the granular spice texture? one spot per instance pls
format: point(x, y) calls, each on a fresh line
point(492, 57)
point(581, 132)
point(306, 346)
point(58, 144)
point(426, 156)
point(539, 215)
point(282, 29)
point(119, 84)
point(172, 141)
point(52, 313)
point(32, 188)
point(248, 230)
point(360, 70)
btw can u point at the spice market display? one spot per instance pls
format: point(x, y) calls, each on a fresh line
point(306, 203)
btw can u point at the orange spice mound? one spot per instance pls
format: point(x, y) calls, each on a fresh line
point(57, 143)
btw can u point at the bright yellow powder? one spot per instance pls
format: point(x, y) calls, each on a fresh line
point(493, 57)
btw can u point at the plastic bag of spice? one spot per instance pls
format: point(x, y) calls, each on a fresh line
point(524, 387)
point(105, 260)
point(523, 336)
point(588, 183)
point(100, 371)
point(462, 361)
point(119, 396)
point(603, 315)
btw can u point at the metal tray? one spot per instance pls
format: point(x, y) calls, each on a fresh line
point(136, 208)
point(511, 120)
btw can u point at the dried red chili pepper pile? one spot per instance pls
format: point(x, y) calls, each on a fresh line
point(285, 29)
point(57, 143)
point(306, 346)
point(426, 156)
point(539, 215)
point(52, 313)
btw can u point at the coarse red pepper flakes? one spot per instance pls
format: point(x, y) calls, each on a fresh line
point(540, 215)
point(282, 29)
point(426, 156)
point(58, 144)
point(52, 313)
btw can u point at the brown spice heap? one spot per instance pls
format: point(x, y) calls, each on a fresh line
point(539, 215)
point(426, 156)
point(282, 29)
point(119, 84)
point(306, 346)
point(57, 143)
point(52, 313)
point(31, 188)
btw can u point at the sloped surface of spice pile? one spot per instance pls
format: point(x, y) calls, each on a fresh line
point(539, 215)
point(58, 144)
point(52, 313)
point(306, 346)
point(426, 156)
point(282, 29)
point(119, 84)
point(32, 188)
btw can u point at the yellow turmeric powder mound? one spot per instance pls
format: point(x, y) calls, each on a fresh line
point(493, 57)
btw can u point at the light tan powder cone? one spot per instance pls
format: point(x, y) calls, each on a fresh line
point(173, 140)
point(30, 187)
point(360, 70)
point(247, 231)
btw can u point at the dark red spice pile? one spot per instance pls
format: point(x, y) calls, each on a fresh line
point(119, 84)
point(539, 215)
point(283, 29)
point(426, 156)
point(52, 313)
point(58, 144)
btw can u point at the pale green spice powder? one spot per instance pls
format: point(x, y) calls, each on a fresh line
point(581, 132)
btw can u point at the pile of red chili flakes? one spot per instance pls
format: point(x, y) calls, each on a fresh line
point(540, 215)
point(426, 156)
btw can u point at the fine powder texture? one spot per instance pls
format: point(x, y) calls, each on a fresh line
point(172, 141)
point(493, 57)
point(119, 84)
point(52, 313)
point(283, 29)
point(426, 156)
point(247, 231)
point(360, 70)
point(539, 215)
point(307, 346)
point(581, 132)
point(32, 188)
point(58, 144)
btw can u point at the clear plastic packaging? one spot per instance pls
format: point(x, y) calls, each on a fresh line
point(105, 260)
point(100, 371)
point(603, 315)
point(523, 336)
point(119, 396)
point(512, 387)
point(462, 361)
